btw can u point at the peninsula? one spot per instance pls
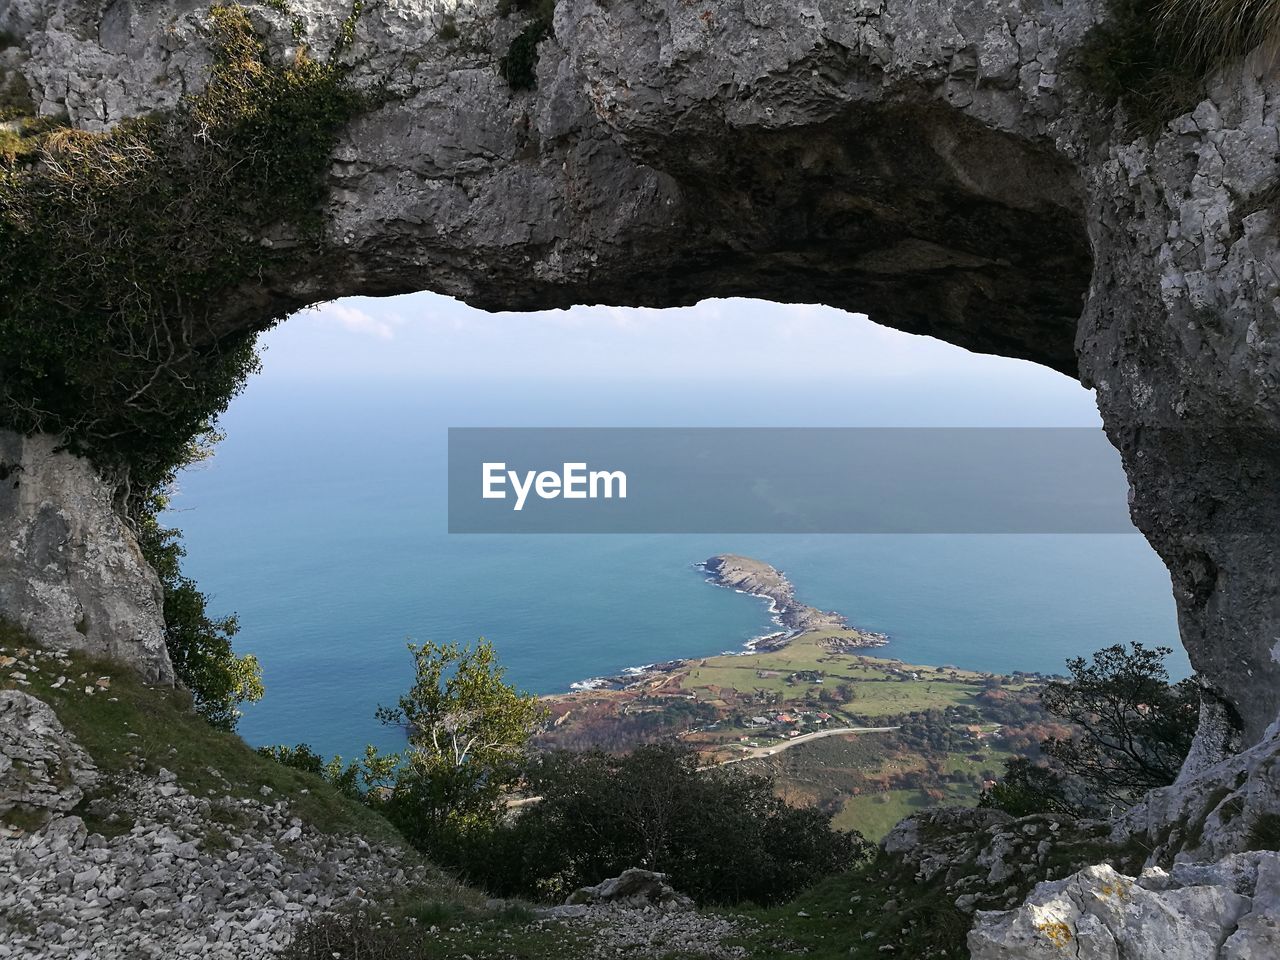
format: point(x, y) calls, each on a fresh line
point(759, 579)
point(870, 737)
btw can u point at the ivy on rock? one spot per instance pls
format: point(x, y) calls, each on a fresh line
point(120, 250)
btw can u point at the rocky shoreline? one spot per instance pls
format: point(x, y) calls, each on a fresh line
point(758, 579)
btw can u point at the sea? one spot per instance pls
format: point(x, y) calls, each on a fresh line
point(321, 522)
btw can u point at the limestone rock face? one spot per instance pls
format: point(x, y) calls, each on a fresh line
point(43, 771)
point(71, 573)
point(1229, 910)
point(1227, 808)
point(937, 166)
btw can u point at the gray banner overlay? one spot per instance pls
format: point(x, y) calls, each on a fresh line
point(785, 480)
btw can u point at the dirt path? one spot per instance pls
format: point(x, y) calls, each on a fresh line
point(758, 753)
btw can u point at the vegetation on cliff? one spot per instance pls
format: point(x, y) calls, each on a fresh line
point(120, 249)
point(723, 836)
point(1129, 731)
point(117, 252)
point(1153, 57)
point(519, 65)
point(199, 644)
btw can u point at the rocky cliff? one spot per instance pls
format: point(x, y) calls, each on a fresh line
point(70, 569)
point(937, 166)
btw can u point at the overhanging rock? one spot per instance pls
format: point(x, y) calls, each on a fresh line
point(934, 165)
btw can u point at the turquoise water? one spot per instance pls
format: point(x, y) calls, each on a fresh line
point(321, 522)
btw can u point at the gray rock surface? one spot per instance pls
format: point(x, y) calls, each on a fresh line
point(1229, 910)
point(1230, 807)
point(934, 165)
point(71, 573)
point(186, 876)
point(43, 771)
point(633, 887)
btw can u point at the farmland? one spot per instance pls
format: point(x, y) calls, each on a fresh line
point(954, 728)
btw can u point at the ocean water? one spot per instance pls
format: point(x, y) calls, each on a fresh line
point(321, 522)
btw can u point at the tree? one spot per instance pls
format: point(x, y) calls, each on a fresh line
point(1135, 727)
point(1132, 730)
point(352, 780)
point(1028, 787)
point(722, 835)
point(199, 645)
point(467, 729)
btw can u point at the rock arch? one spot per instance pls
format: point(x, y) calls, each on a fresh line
point(932, 165)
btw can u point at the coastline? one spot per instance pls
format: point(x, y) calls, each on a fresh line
point(755, 579)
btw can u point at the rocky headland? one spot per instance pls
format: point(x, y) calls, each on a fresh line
point(759, 579)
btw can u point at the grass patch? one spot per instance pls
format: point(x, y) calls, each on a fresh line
point(875, 814)
point(131, 726)
point(437, 930)
point(877, 910)
point(1153, 57)
point(881, 687)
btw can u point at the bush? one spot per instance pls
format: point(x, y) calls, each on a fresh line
point(199, 645)
point(1132, 731)
point(467, 730)
point(344, 777)
point(119, 251)
point(724, 837)
point(1028, 787)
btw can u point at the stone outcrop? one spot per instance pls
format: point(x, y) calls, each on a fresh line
point(43, 771)
point(938, 167)
point(984, 860)
point(633, 887)
point(935, 166)
point(1230, 807)
point(1228, 910)
point(71, 572)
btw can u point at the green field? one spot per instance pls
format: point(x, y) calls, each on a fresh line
point(878, 691)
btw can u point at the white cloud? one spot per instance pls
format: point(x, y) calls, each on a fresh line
point(353, 320)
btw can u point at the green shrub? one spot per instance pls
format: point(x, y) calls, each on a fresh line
point(467, 729)
point(1026, 788)
point(345, 777)
point(199, 645)
point(1132, 731)
point(723, 836)
point(119, 252)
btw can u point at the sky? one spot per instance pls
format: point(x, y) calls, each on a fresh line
point(877, 376)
